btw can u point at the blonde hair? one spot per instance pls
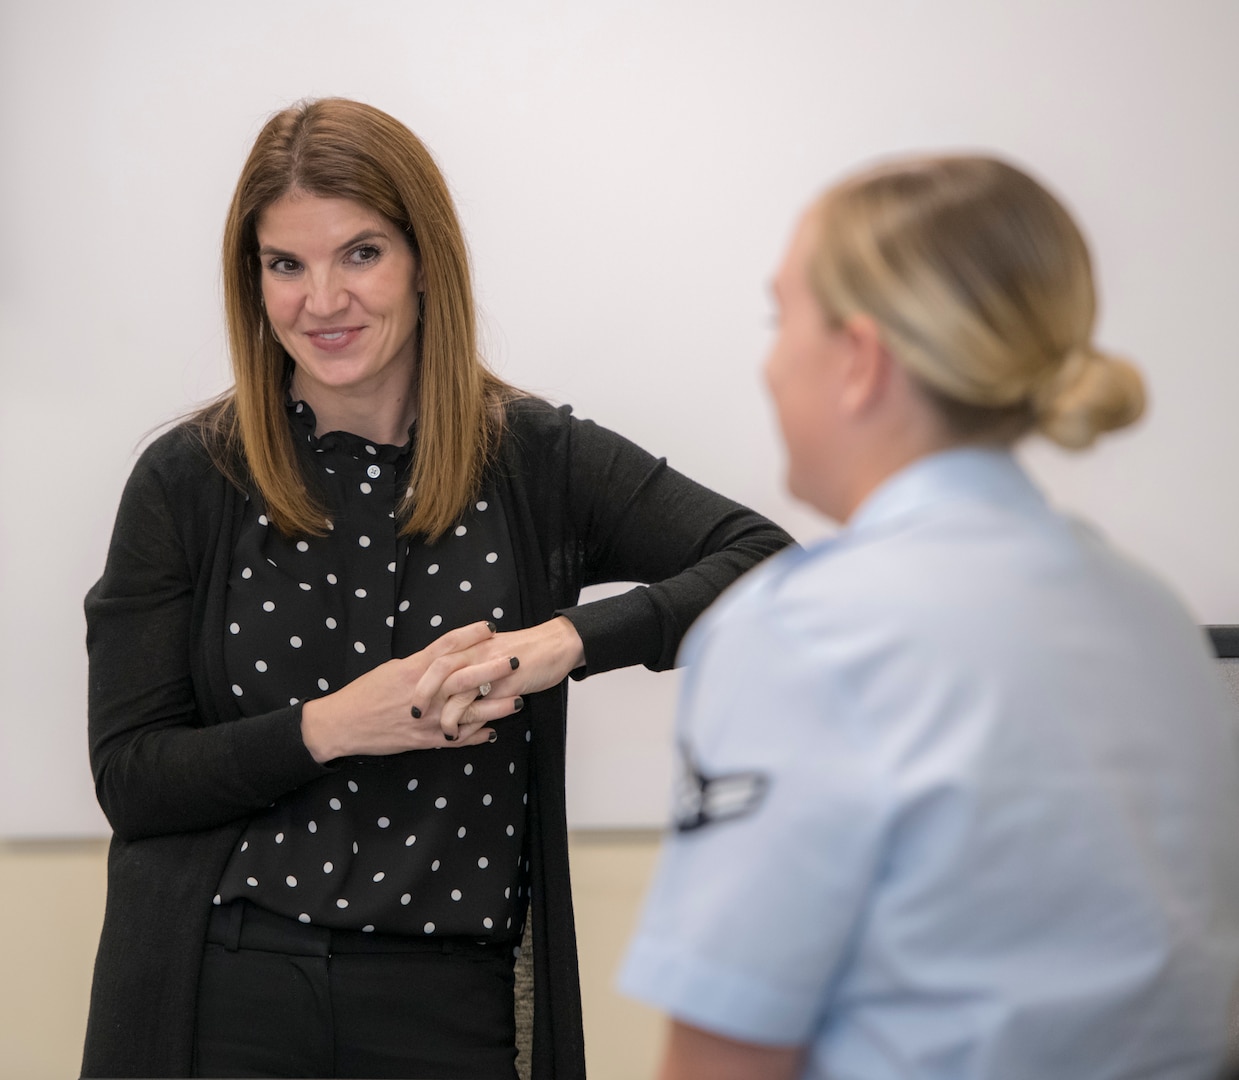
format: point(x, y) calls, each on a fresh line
point(983, 288)
point(336, 148)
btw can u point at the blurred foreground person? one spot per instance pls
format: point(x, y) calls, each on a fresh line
point(961, 784)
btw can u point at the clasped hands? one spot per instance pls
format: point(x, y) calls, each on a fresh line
point(431, 699)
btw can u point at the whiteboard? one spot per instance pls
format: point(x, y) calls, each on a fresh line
point(627, 173)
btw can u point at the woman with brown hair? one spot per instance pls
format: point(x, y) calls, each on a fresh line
point(369, 549)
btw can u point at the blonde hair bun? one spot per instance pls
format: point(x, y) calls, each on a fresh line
point(982, 284)
point(1091, 393)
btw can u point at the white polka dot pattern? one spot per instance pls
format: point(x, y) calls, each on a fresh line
point(360, 847)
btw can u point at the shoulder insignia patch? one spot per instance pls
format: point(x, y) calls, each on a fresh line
point(702, 800)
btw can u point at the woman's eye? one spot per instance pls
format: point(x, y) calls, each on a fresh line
point(364, 254)
point(283, 266)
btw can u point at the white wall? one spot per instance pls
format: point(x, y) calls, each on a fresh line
point(627, 173)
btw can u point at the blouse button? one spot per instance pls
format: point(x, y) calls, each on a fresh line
point(374, 472)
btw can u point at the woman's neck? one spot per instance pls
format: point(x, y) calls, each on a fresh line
point(381, 419)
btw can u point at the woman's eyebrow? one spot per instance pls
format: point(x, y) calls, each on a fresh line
point(267, 250)
point(365, 234)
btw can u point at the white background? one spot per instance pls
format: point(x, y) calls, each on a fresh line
point(627, 174)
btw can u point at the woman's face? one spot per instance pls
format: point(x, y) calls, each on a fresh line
point(803, 372)
point(340, 286)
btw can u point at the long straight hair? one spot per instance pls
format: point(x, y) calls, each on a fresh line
point(336, 148)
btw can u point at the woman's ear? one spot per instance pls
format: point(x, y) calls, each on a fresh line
point(869, 365)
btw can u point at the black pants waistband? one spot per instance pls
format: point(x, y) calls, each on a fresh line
point(242, 925)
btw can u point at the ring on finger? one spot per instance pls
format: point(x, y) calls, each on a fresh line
point(484, 689)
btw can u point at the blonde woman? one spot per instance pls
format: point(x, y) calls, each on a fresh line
point(986, 829)
point(329, 652)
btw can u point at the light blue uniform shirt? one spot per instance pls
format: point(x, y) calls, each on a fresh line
point(970, 793)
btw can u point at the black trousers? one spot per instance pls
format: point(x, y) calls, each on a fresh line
point(277, 998)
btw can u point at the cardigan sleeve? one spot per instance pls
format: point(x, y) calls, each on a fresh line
point(634, 518)
point(160, 765)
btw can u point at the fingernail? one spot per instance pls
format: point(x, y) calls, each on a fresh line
point(493, 736)
point(514, 661)
point(491, 627)
point(450, 738)
point(518, 704)
point(417, 713)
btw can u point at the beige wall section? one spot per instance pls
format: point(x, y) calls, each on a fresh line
point(610, 872)
point(53, 906)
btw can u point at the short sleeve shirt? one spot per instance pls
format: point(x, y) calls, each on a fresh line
point(959, 799)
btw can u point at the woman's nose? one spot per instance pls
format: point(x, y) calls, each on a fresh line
point(325, 294)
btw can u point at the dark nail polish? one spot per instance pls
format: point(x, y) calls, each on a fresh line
point(417, 713)
point(514, 661)
point(518, 704)
point(491, 627)
point(492, 737)
point(450, 738)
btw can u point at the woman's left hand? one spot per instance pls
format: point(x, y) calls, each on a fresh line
point(547, 653)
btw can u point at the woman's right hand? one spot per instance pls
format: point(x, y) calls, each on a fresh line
point(374, 714)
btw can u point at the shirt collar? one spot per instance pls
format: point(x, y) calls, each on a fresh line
point(303, 420)
point(972, 473)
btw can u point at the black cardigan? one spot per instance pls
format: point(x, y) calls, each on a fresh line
point(178, 771)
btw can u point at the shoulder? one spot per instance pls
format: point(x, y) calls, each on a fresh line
point(530, 414)
point(962, 597)
point(800, 598)
point(850, 629)
point(770, 691)
point(777, 626)
point(180, 446)
point(534, 417)
point(179, 466)
point(181, 451)
point(535, 428)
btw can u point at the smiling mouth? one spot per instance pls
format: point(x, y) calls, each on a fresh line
point(335, 338)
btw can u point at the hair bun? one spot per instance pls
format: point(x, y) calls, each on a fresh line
point(1091, 393)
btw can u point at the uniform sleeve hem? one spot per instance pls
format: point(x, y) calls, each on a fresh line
point(707, 995)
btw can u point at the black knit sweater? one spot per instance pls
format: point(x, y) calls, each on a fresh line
point(178, 771)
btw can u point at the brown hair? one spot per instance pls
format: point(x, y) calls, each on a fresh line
point(336, 148)
point(983, 287)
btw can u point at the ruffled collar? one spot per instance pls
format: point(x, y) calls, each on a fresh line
point(303, 422)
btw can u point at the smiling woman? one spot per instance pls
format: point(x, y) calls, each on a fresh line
point(342, 290)
point(368, 549)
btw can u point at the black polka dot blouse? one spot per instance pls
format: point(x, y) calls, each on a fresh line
point(426, 842)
